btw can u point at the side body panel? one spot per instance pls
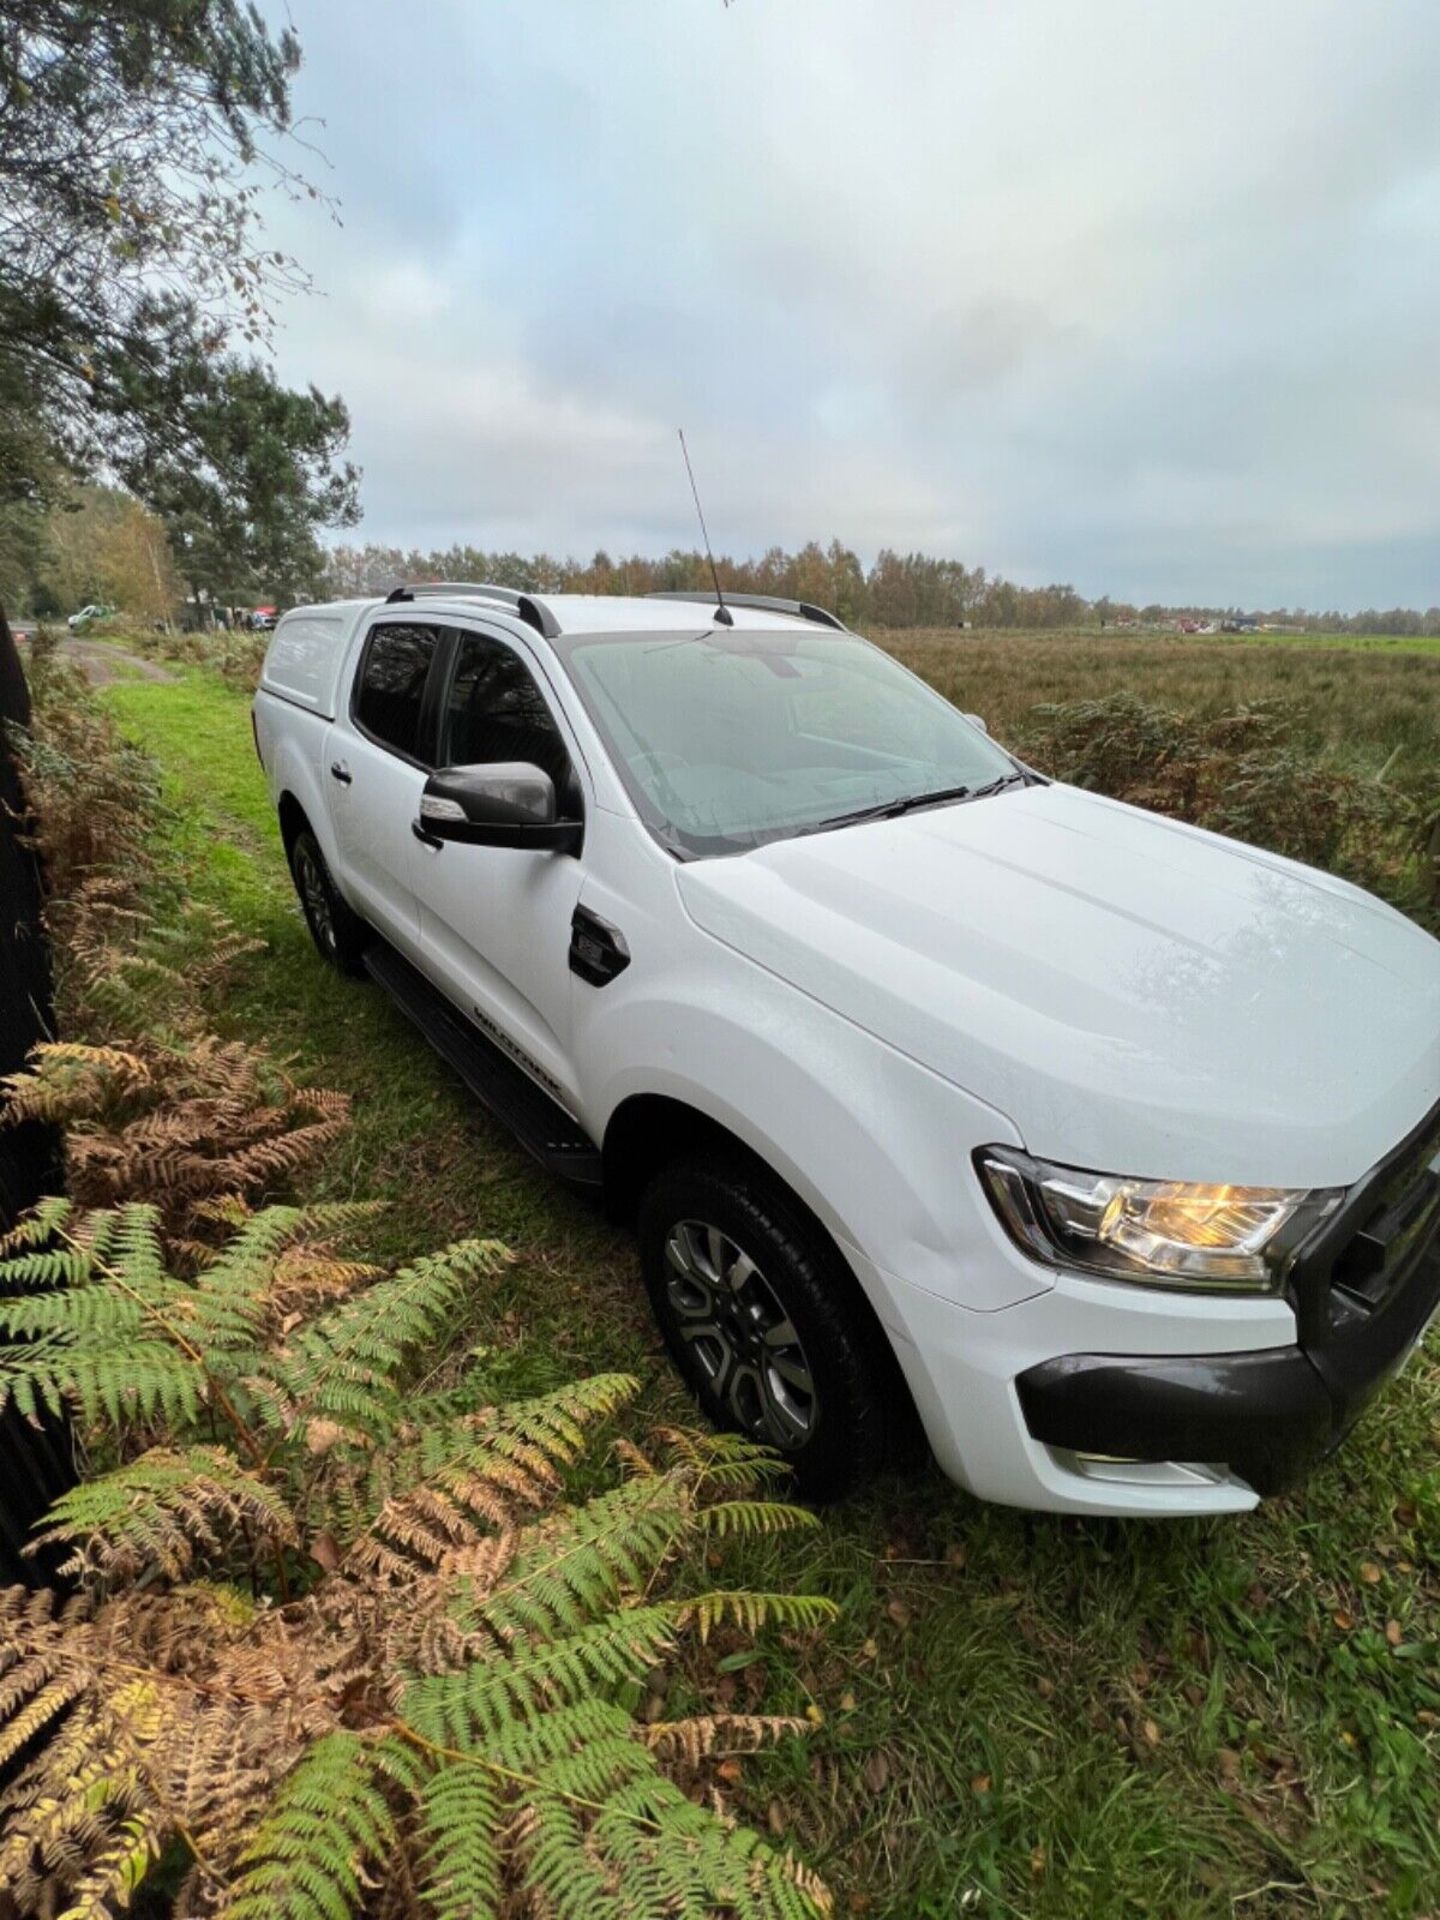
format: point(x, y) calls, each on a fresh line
point(292, 749)
point(494, 922)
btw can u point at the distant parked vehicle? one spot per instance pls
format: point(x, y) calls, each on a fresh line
point(262, 620)
point(89, 617)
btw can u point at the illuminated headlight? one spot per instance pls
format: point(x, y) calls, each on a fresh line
point(1164, 1233)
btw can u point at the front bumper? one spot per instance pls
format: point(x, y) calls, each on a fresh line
point(1364, 1289)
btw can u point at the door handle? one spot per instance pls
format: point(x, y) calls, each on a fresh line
point(426, 839)
point(339, 771)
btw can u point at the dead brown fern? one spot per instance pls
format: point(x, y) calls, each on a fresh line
point(182, 1126)
point(125, 970)
point(429, 1707)
point(95, 796)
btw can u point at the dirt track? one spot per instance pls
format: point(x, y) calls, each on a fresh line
point(102, 663)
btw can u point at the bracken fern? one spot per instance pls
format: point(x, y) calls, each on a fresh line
point(346, 1648)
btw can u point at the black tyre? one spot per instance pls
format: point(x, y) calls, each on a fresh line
point(340, 935)
point(763, 1321)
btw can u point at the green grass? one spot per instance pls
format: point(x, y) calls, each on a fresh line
point(1017, 1714)
point(1358, 704)
point(1328, 642)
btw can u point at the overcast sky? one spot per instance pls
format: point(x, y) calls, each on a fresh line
point(1139, 294)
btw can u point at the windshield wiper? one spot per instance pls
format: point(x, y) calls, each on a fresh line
point(911, 802)
point(887, 809)
point(1018, 778)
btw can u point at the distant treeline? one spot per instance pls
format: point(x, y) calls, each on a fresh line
point(899, 590)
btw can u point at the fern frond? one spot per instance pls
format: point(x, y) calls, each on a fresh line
point(342, 1364)
point(752, 1611)
point(233, 1295)
point(64, 1079)
point(160, 1510)
point(704, 1735)
point(578, 1564)
point(721, 1462)
point(118, 1868)
point(732, 1519)
point(478, 1703)
point(37, 1227)
point(652, 1851)
point(145, 1379)
point(305, 1858)
point(461, 1809)
point(39, 1710)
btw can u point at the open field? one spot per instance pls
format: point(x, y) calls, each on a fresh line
point(1361, 699)
point(1018, 1715)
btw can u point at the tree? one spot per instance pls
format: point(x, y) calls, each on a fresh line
point(247, 481)
point(130, 174)
point(102, 545)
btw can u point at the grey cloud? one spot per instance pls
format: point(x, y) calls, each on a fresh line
point(1123, 293)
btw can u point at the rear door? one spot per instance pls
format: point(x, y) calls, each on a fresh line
point(377, 759)
point(495, 921)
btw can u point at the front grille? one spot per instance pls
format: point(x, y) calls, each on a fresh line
point(1402, 1218)
point(1364, 1281)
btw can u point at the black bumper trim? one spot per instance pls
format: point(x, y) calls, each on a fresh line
point(1268, 1416)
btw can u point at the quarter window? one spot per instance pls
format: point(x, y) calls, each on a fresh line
point(392, 684)
point(496, 712)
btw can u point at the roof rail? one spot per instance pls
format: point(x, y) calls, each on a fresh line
point(533, 612)
point(766, 602)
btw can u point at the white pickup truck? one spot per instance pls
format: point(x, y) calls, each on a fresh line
point(1109, 1146)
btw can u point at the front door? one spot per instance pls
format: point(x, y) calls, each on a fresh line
point(495, 921)
point(376, 764)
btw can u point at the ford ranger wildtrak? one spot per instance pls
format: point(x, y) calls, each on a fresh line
point(1108, 1146)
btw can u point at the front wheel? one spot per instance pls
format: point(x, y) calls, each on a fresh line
point(763, 1321)
point(339, 934)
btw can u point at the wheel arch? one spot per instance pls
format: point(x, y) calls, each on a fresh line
point(650, 1131)
point(293, 820)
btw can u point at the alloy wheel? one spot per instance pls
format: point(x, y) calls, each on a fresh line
point(744, 1341)
point(315, 898)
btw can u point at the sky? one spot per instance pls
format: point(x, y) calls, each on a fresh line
point(1136, 294)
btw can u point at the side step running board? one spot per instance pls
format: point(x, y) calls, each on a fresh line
point(540, 1124)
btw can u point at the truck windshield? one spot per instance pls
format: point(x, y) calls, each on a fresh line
point(734, 737)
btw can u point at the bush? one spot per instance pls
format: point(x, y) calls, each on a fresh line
point(236, 654)
point(95, 796)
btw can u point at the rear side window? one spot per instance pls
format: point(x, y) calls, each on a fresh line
point(392, 685)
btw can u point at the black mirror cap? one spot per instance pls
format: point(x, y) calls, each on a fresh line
point(509, 803)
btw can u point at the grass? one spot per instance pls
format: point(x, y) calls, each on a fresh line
point(1017, 1714)
point(1360, 701)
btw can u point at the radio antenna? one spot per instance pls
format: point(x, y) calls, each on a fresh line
point(723, 614)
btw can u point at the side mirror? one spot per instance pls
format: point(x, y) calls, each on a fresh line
point(976, 720)
point(507, 804)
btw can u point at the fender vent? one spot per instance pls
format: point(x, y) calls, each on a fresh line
point(597, 950)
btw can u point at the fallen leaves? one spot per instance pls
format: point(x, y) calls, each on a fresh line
point(324, 1551)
